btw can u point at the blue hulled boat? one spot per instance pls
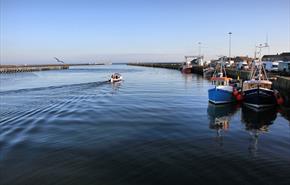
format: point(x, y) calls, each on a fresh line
point(222, 92)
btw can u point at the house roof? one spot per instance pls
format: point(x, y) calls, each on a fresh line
point(285, 54)
point(243, 57)
point(270, 56)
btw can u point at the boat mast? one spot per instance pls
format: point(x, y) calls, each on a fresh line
point(221, 70)
point(260, 63)
point(221, 67)
point(261, 66)
point(223, 61)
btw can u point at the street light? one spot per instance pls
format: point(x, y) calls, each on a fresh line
point(230, 44)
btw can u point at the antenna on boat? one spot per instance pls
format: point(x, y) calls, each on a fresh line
point(267, 44)
point(260, 65)
point(223, 66)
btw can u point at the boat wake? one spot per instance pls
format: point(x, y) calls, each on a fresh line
point(79, 85)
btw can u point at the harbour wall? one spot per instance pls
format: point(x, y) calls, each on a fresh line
point(30, 68)
point(245, 75)
point(232, 73)
point(282, 84)
point(175, 66)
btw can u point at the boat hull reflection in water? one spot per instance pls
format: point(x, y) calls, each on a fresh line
point(258, 120)
point(257, 123)
point(219, 115)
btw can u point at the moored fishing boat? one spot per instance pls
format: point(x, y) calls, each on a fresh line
point(186, 67)
point(222, 92)
point(257, 91)
point(207, 72)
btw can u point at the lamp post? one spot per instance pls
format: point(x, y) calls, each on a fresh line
point(230, 45)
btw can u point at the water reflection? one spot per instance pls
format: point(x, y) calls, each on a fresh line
point(257, 123)
point(219, 116)
point(285, 112)
point(187, 77)
point(116, 87)
point(188, 80)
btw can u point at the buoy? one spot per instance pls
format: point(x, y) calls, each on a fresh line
point(239, 97)
point(280, 100)
point(235, 93)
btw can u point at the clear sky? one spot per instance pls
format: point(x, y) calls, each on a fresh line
point(35, 31)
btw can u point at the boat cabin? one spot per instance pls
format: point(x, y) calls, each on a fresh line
point(116, 76)
point(221, 81)
point(252, 84)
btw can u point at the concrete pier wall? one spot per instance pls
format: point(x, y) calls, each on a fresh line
point(282, 84)
point(29, 68)
point(245, 75)
point(175, 66)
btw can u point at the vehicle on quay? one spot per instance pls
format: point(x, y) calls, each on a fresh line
point(243, 65)
point(271, 66)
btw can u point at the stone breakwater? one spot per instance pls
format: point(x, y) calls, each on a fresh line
point(282, 84)
point(233, 73)
point(44, 67)
point(195, 69)
point(175, 66)
point(30, 68)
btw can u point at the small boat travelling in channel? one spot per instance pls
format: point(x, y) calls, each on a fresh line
point(116, 77)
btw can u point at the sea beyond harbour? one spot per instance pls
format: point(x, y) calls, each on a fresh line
point(155, 127)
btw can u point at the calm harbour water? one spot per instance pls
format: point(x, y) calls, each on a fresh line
point(155, 127)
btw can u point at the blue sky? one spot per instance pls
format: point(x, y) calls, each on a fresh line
point(144, 30)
